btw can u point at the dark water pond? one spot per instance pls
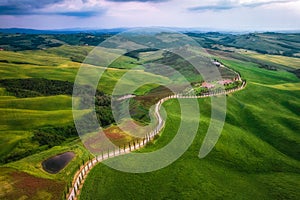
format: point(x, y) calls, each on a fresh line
point(56, 163)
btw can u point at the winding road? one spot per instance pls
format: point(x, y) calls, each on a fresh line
point(81, 174)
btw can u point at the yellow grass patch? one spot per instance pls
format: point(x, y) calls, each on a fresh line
point(283, 60)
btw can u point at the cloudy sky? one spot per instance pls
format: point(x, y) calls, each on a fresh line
point(216, 14)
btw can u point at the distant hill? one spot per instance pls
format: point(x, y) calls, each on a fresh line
point(268, 43)
point(22, 41)
point(287, 44)
point(62, 31)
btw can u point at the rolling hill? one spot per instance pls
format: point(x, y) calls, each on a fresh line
point(257, 155)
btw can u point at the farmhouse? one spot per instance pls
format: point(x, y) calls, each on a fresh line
point(225, 82)
point(207, 85)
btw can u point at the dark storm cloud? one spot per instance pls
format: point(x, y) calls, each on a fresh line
point(31, 7)
point(22, 7)
point(155, 1)
point(212, 7)
point(228, 5)
point(81, 14)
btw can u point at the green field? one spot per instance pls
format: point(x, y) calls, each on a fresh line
point(257, 155)
point(22, 117)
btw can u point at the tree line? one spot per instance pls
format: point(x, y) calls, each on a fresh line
point(48, 136)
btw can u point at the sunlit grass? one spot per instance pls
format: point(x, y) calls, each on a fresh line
point(255, 157)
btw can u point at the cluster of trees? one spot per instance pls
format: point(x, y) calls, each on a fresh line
point(200, 90)
point(297, 72)
point(268, 67)
point(34, 87)
point(233, 85)
point(54, 136)
point(101, 101)
point(135, 54)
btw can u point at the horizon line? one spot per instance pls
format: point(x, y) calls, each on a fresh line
point(184, 29)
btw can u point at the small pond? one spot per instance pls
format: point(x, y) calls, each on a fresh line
point(56, 163)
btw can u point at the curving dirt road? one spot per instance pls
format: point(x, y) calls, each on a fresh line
point(81, 174)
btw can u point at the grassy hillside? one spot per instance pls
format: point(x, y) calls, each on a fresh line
point(257, 155)
point(258, 149)
point(36, 106)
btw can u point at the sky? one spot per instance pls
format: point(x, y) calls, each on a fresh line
point(230, 15)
